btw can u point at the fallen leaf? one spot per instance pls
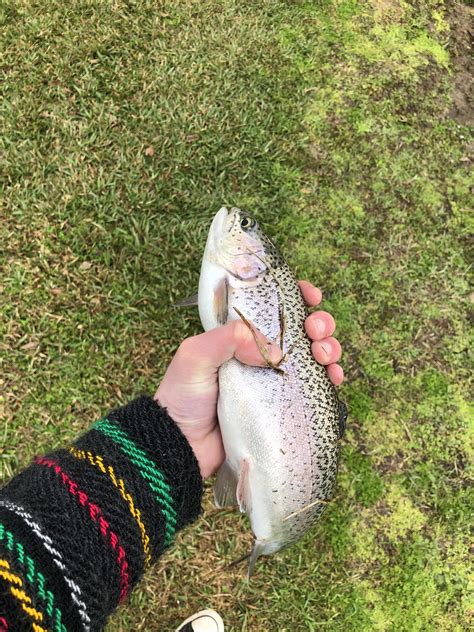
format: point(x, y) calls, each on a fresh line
point(85, 265)
point(29, 346)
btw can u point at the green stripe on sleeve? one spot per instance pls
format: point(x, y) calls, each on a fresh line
point(147, 470)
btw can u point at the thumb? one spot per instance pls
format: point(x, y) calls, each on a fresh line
point(235, 339)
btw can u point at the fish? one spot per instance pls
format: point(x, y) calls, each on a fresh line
point(281, 424)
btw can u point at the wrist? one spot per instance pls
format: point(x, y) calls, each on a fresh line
point(205, 443)
point(209, 452)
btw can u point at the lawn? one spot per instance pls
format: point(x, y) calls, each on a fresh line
point(343, 127)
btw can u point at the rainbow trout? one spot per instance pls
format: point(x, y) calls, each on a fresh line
point(280, 424)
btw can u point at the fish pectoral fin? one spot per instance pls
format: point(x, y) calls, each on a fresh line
point(243, 487)
point(221, 301)
point(257, 551)
point(189, 301)
point(225, 486)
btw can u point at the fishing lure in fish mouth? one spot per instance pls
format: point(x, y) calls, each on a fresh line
point(280, 425)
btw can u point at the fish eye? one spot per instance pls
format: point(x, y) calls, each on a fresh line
point(247, 223)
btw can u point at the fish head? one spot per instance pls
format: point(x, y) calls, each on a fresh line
point(237, 254)
point(236, 243)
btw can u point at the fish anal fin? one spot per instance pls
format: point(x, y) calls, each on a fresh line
point(221, 301)
point(189, 301)
point(243, 487)
point(257, 551)
point(225, 486)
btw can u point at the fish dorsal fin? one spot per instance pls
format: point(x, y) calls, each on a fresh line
point(189, 301)
point(243, 488)
point(257, 551)
point(342, 418)
point(221, 301)
point(225, 487)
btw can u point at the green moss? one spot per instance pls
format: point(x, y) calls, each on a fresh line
point(362, 406)
point(364, 483)
point(397, 49)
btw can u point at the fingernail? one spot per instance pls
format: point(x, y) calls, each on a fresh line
point(320, 326)
point(326, 347)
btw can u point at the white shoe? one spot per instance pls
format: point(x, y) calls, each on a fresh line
point(204, 621)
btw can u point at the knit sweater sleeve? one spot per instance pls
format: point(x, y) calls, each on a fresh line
point(79, 526)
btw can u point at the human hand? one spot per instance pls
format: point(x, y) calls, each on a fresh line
point(189, 388)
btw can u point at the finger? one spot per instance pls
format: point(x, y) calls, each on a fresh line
point(336, 374)
point(319, 325)
point(235, 339)
point(311, 294)
point(326, 351)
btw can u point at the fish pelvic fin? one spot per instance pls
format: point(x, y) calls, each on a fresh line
point(225, 486)
point(257, 551)
point(230, 490)
point(243, 494)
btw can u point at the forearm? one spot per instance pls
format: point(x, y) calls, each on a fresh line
point(79, 526)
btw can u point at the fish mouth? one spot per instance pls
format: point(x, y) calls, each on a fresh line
point(222, 224)
point(219, 223)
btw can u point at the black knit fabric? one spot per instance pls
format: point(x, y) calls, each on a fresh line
point(10, 611)
point(168, 448)
point(53, 573)
point(95, 441)
point(78, 527)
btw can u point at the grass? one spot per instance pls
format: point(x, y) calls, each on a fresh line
point(126, 126)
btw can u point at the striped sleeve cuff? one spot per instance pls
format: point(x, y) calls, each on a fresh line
point(79, 526)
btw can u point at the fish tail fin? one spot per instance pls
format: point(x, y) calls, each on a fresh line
point(239, 561)
point(257, 551)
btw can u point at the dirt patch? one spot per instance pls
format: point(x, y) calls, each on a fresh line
point(388, 10)
point(392, 464)
point(460, 18)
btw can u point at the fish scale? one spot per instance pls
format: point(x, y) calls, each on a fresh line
point(280, 428)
